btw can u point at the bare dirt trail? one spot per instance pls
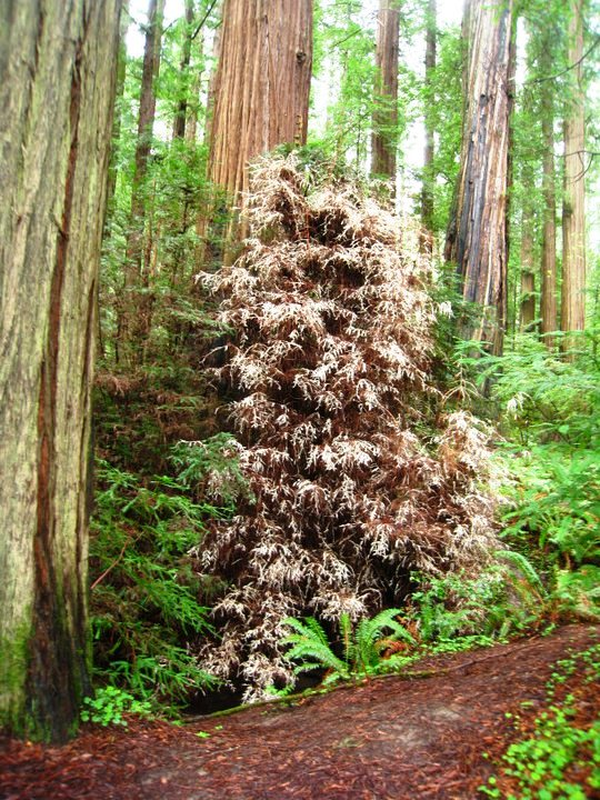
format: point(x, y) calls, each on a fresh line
point(385, 739)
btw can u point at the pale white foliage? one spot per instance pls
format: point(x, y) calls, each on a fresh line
point(330, 363)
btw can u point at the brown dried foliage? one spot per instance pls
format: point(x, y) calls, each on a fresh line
point(329, 368)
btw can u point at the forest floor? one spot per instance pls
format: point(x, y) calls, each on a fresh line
point(402, 738)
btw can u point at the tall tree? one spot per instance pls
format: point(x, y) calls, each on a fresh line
point(133, 316)
point(548, 300)
point(121, 72)
point(477, 239)
point(385, 115)
point(428, 117)
point(572, 308)
point(180, 119)
point(261, 87)
point(527, 310)
point(57, 72)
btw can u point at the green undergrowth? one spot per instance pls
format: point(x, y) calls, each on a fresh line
point(548, 407)
point(110, 706)
point(149, 602)
point(561, 757)
point(444, 615)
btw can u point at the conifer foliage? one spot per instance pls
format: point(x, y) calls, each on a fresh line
point(327, 376)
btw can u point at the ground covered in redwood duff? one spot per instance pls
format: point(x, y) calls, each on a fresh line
point(415, 737)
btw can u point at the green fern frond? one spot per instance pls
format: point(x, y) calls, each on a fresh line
point(526, 569)
point(310, 647)
point(309, 627)
point(370, 631)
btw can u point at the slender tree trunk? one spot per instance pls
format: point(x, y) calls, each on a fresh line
point(261, 86)
point(57, 71)
point(528, 238)
point(191, 127)
point(146, 115)
point(385, 116)
point(204, 255)
point(477, 236)
point(120, 88)
point(134, 311)
point(527, 311)
point(180, 119)
point(572, 316)
point(194, 100)
point(428, 115)
point(548, 302)
point(510, 174)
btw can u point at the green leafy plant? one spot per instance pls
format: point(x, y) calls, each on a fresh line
point(456, 612)
point(543, 396)
point(110, 704)
point(543, 766)
point(549, 408)
point(554, 496)
point(147, 614)
point(363, 646)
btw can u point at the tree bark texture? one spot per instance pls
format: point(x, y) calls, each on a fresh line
point(262, 85)
point(548, 299)
point(428, 116)
point(57, 71)
point(385, 116)
point(572, 307)
point(476, 238)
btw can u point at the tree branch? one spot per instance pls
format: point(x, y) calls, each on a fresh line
point(203, 20)
point(592, 47)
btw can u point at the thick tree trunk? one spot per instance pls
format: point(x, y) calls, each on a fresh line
point(572, 309)
point(135, 307)
point(385, 116)
point(261, 86)
point(477, 234)
point(57, 70)
point(428, 116)
point(548, 301)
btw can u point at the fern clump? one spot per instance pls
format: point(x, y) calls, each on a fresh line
point(356, 476)
point(363, 645)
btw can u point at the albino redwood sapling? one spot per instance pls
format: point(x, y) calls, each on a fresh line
point(328, 380)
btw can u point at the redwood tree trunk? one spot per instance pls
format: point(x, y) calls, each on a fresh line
point(57, 75)
point(477, 239)
point(527, 267)
point(548, 302)
point(180, 119)
point(261, 87)
point(385, 116)
point(572, 308)
point(428, 175)
point(119, 91)
point(134, 309)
